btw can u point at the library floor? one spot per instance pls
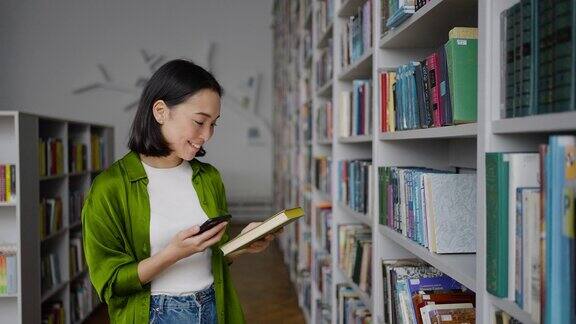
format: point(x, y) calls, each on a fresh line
point(258, 278)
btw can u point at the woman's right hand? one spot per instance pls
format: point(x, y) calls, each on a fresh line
point(186, 242)
point(183, 244)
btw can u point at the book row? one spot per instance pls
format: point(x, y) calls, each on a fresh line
point(76, 202)
point(322, 178)
point(83, 299)
point(355, 185)
point(538, 57)
point(51, 218)
point(355, 254)
point(324, 16)
point(77, 157)
point(50, 274)
point(356, 35)
point(415, 292)
point(8, 270)
point(433, 208)
point(99, 156)
point(51, 151)
point(356, 109)
point(324, 69)
point(323, 222)
point(53, 313)
point(438, 91)
point(77, 262)
point(351, 308)
point(324, 128)
point(7, 182)
point(530, 206)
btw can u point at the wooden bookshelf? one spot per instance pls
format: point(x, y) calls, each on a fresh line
point(19, 145)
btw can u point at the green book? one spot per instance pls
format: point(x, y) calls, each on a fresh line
point(462, 61)
point(497, 224)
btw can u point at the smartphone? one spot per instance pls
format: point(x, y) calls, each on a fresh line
point(213, 222)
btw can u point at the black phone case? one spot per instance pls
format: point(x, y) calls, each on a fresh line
point(213, 222)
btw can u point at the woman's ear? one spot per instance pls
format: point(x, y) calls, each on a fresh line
point(160, 111)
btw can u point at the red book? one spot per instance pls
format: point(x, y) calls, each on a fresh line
point(2, 182)
point(434, 86)
point(382, 76)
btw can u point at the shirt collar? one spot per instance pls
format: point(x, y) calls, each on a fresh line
point(135, 169)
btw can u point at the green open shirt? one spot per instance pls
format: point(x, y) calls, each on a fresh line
point(116, 232)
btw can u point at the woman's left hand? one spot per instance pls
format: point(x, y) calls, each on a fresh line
point(261, 244)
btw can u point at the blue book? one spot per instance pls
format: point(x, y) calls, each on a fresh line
point(559, 298)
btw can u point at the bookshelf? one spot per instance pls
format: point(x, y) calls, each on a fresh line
point(19, 144)
point(461, 146)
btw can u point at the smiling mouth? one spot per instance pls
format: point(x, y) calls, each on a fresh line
point(195, 145)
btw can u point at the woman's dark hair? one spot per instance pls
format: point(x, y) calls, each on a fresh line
point(174, 82)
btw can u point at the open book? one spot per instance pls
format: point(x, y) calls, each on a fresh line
point(270, 225)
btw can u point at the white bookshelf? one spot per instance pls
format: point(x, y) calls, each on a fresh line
point(19, 220)
point(461, 146)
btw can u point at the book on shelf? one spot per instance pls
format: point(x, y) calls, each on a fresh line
point(355, 185)
point(77, 261)
point(448, 313)
point(399, 11)
point(462, 61)
point(7, 182)
point(270, 225)
point(356, 36)
point(412, 289)
point(436, 209)
point(501, 317)
point(50, 271)
point(440, 90)
point(98, 148)
point(51, 218)
point(51, 152)
point(77, 157)
point(537, 58)
point(324, 123)
point(356, 116)
point(322, 174)
point(351, 309)
point(323, 225)
point(53, 313)
point(324, 16)
point(83, 299)
point(530, 205)
point(8, 270)
point(324, 68)
point(355, 258)
point(76, 202)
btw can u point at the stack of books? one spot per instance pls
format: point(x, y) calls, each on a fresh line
point(324, 71)
point(77, 157)
point(8, 270)
point(322, 175)
point(99, 159)
point(324, 122)
point(355, 254)
point(51, 152)
point(50, 275)
point(76, 203)
point(51, 219)
point(77, 262)
point(351, 309)
point(356, 35)
point(323, 223)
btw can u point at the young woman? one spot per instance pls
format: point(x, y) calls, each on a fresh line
point(142, 214)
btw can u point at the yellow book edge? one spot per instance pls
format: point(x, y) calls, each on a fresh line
point(292, 214)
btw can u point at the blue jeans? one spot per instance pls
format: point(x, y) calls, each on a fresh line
point(199, 307)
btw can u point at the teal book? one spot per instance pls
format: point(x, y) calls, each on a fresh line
point(497, 224)
point(462, 61)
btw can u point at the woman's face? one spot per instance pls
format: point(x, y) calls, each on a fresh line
point(190, 124)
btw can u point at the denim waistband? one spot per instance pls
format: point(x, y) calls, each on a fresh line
point(201, 297)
